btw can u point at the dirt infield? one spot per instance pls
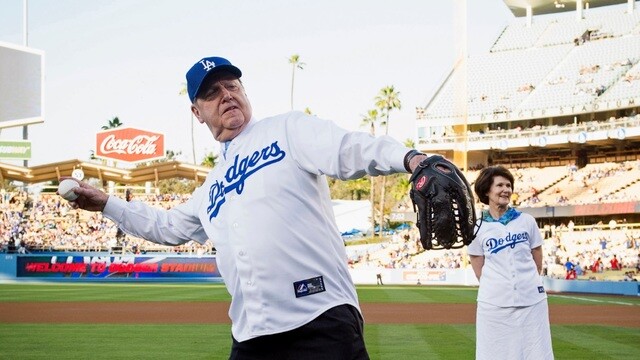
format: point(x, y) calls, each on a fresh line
point(216, 312)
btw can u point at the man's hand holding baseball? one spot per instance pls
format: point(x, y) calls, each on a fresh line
point(89, 198)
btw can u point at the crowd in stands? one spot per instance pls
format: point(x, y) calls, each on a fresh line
point(588, 251)
point(568, 185)
point(45, 222)
point(570, 253)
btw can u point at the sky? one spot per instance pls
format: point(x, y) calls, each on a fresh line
point(128, 58)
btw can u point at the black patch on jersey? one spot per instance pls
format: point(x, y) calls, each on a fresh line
point(309, 286)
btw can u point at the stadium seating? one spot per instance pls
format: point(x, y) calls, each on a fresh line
point(542, 67)
point(555, 62)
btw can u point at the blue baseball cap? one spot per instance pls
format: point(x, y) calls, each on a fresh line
point(205, 67)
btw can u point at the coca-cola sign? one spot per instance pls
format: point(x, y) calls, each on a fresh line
point(129, 145)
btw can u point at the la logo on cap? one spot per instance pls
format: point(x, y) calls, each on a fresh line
point(207, 64)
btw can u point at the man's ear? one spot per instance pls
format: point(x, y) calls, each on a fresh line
point(196, 113)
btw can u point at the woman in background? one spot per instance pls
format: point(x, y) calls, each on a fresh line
point(512, 319)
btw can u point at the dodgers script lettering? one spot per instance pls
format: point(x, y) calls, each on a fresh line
point(495, 245)
point(238, 172)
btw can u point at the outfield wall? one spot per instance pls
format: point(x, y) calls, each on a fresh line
point(592, 286)
point(415, 276)
point(100, 267)
point(466, 277)
point(103, 267)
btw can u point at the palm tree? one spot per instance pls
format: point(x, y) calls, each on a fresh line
point(295, 62)
point(112, 124)
point(370, 119)
point(209, 160)
point(357, 188)
point(183, 91)
point(386, 100)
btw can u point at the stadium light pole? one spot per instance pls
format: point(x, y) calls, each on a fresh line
point(461, 101)
point(25, 27)
point(183, 91)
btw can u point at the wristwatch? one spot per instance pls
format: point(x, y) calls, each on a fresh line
point(409, 156)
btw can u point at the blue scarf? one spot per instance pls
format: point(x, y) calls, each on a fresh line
point(510, 214)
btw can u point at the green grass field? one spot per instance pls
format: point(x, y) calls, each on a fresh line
point(190, 341)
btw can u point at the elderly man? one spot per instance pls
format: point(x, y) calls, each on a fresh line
point(266, 207)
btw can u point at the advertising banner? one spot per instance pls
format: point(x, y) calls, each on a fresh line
point(16, 149)
point(420, 276)
point(129, 145)
point(114, 267)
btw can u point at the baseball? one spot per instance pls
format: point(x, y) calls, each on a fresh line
point(65, 189)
